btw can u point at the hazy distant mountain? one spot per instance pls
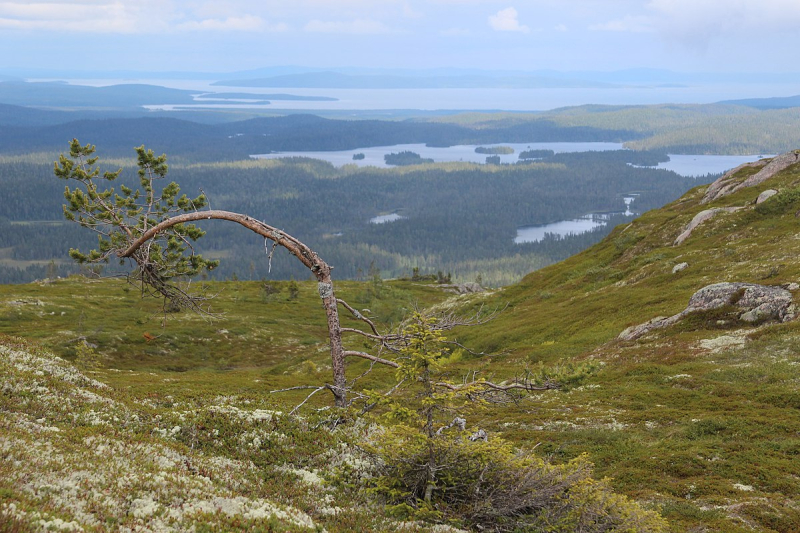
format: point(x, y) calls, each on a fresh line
point(337, 80)
point(781, 102)
point(60, 94)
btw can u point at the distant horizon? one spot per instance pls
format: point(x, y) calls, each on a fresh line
point(713, 36)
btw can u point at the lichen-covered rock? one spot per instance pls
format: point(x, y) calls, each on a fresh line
point(756, 303)
point(463, 288)
point(679, 267)
point(699, 218)
point(727, 184)
point(766, 195)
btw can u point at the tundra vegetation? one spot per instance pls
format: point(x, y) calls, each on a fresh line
point(698, 420)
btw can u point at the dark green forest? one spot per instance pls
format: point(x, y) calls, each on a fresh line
point(458, 217)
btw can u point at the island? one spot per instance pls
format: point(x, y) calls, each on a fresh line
point(536, 154)
point(495, 150)
point(404, 158)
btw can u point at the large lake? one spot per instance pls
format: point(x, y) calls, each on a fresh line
point(685, 165)
point(373, 156)
point(464, 99)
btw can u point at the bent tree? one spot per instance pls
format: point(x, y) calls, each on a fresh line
point(154, 229)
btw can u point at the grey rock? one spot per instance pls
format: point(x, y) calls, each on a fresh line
point(479, 435)
point(701, 217)
point(727, 184)
point(679, 267)
point(755, 302)
point(791, 286)
point(463, 288)
point(766, 195)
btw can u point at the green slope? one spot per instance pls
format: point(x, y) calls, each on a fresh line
point(702, 418)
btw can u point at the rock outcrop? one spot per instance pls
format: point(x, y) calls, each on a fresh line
point(766, 195)
point(755, 303)
point(701, 217)
point(727, 184)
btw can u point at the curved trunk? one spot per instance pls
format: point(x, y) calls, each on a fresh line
point(318, 267)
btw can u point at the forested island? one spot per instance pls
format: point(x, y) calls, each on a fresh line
point(494, 150)
point(405, 158)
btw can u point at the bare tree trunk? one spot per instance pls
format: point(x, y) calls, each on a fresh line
point(320, 269)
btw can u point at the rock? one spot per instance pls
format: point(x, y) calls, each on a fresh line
point(791, 286)
point(680, 266)
point(725, 181)
point(726, 184)
point(634, 332)
point(699, 218)
point(755, 302)
point(766, 195)
point(463, 288)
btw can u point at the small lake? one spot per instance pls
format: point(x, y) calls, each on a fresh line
point(373, 156)
point(383, 219)
point(562, 228)
point(576, 226)
point(695, 166)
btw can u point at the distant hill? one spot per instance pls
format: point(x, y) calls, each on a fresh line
point(780, 102)
point(59, 94)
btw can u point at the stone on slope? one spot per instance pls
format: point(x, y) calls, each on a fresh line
point(726, 184)
point(755, 303)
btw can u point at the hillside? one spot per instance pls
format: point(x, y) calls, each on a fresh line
point(699, 419)
point(703, 416)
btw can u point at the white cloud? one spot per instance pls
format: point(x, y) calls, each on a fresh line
point(506, 20)
point(245, 23)
point(629, 23)
point(357, 27)
point(696, 23)
point(560, 27)
point(124, 17)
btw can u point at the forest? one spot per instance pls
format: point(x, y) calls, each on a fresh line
point(456, 217)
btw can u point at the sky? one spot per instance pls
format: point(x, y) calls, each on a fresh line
point(565, 35)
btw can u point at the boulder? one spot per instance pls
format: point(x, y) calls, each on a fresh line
point(463, 288)
point(727, 184)
point(755, 303)
point(680, 266)
point(766, 195)
point(701, 217)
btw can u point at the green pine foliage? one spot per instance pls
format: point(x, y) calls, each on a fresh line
point(429, 469)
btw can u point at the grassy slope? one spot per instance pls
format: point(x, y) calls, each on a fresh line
point(184, 435)
point(700, 419)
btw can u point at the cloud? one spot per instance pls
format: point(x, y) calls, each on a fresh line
point(123, 17)
point(355, 27)
point(560, 27)
point(506, 20)
point(629, 23)
point(245, 23)
point(697, 22)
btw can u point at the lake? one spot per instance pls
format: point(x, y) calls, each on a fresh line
point(685, 165)
point(461, 99)
point(373, 156)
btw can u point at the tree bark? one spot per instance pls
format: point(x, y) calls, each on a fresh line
point(318, 267)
